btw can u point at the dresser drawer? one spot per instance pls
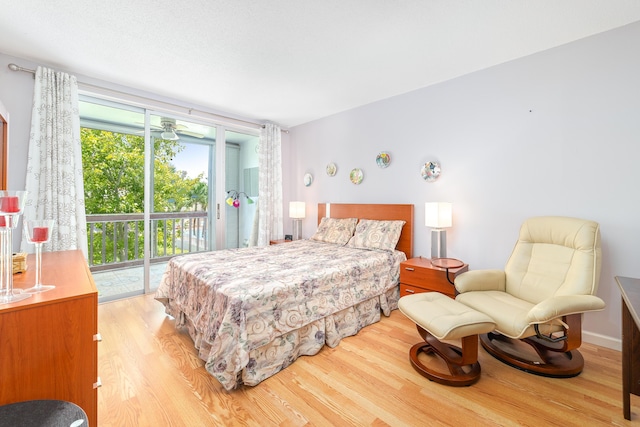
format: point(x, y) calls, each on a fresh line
point(420, 276)
point(445, 288)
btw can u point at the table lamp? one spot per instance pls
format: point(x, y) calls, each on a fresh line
point(438, 216)
point(297, 213)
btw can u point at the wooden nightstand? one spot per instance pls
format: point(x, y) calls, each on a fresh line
point(277, 242)
point(420, 275)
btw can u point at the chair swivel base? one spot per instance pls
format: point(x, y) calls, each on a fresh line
point(458, 374)
point(554, 364)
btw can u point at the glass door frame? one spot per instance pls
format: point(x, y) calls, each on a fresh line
point(220, 218)
point(148, 200)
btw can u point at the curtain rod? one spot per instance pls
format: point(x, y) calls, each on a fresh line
point(14, 67)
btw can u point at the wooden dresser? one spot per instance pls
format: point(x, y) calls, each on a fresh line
point(48, 343)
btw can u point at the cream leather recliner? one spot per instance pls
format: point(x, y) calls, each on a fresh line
point(548, 282)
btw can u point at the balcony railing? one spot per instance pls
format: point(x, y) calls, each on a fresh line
point(117, 240)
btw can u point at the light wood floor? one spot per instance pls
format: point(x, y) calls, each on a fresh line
point(152, 376)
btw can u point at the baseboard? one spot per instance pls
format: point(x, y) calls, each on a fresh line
point(602, 340)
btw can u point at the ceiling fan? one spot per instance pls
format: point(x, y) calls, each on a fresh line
point(171, 131)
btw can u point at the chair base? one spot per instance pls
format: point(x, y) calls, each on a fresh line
point(458, 374)
point(552, 363)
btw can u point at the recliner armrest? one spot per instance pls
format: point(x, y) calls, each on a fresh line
point(564, 305)
point(480, 280)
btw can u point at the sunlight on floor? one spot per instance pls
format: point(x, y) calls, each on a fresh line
point(114, 282)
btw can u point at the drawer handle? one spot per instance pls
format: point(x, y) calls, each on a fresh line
point(97, 337)
point(410, 291)
point(97, 383)
point(409, 269)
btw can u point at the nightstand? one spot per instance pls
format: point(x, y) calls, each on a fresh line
point(420, 275)
point(277, 242)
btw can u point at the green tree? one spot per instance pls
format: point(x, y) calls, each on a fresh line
point(113, 166)
point(200, 194)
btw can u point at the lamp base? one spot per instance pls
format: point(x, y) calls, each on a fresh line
point(297, 229)
point(438, 243)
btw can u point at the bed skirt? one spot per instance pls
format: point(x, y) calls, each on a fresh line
point(281, 352)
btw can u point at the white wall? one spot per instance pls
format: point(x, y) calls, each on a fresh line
point(556, 133)
point(16, 93)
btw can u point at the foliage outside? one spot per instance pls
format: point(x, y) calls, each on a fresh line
point(113, 167)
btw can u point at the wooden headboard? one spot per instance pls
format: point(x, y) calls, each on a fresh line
point(379, 212)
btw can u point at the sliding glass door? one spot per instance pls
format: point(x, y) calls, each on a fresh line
point(157, 186)
point(182, 164)
point(113, 156)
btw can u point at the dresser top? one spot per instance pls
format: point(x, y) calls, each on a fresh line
point(67, 270)
point(630, 290)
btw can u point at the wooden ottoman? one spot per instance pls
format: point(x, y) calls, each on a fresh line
point(439, 317)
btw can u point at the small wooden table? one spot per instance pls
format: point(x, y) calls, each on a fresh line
point(630, 290)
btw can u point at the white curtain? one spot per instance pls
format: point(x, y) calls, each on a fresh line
point(270, 185)
point(54, 167)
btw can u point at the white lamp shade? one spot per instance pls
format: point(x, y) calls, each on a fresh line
point(438, 214)
point(296, 210)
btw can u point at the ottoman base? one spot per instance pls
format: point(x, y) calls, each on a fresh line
point(462, 364)
point(440, 318)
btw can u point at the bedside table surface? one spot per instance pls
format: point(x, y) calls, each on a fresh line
point(427, 263)
point(446, 263)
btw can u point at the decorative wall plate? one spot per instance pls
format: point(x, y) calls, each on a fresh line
point(332, 169)
point(356, 176)
point(383, 159)
point(430, 171)
point(308, 179)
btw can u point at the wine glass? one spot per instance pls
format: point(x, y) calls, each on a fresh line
point(38, 232)
point(11, 206)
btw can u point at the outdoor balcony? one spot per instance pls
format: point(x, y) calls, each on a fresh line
point(116, 248)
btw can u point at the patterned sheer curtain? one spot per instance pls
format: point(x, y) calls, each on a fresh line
point(54, 167)
point(270, 185)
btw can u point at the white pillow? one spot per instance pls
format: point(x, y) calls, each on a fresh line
point(335, 230)
point(374, 234)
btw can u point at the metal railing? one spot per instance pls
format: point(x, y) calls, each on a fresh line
point(117, 240)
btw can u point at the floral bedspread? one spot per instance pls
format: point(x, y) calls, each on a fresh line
point(238, 300)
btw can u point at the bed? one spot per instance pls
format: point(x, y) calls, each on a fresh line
point(251, 312)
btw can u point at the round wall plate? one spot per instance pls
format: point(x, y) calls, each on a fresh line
point(383, 159)
point(307, 179)
point(332, 169)
point(356, 176)
point(430, 171)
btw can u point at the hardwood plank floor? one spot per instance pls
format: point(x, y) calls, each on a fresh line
point(152, 376)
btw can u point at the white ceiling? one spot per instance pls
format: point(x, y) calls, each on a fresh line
point(292, 61)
